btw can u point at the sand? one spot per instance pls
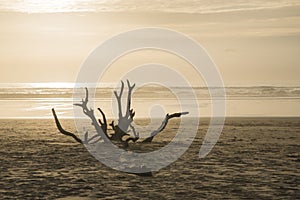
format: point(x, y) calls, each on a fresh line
point(255, 158)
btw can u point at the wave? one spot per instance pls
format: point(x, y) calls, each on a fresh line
point(153, 92)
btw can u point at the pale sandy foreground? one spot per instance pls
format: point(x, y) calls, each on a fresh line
point(254, 159)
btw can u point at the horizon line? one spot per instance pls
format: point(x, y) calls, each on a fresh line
point(69, 85)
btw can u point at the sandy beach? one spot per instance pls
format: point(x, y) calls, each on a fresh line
point(149, 67)
point(255, 158)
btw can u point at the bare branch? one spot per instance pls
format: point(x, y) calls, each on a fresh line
point(86, 139)
point(90, 113)
point(119, 99)
point(126, 119)
point(60, 128)
point(104, 123)
point(129, 111)
point(112, 124)
point(135, 133)
point(163, 125)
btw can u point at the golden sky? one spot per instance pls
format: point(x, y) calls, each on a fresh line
point(252, 42)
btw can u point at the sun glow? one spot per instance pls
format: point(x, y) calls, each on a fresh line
point(52, 6)
point(33, 6)
point(50, 85)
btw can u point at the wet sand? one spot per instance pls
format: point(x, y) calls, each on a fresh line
point(255, 158)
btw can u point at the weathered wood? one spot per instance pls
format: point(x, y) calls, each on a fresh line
point(163, 125)
point(124, 122)
point(63, 131)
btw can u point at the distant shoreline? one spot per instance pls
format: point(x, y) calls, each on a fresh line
point(158, 118)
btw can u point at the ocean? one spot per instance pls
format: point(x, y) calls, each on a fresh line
point(25, 101)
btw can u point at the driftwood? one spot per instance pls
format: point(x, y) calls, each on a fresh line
point(124, 126)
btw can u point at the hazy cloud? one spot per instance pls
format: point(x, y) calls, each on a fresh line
point(175, 6)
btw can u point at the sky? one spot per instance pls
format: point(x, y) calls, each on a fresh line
point(252, 42)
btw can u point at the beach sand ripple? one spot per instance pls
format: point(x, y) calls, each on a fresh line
point(254, 159)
